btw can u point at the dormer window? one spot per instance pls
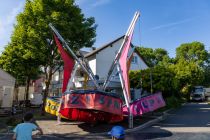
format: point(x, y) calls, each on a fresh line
point(134, 60)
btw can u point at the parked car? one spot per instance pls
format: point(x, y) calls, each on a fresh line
point(207, 93)
point(198, 93)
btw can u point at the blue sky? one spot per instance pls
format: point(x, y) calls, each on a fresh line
point(162, 24)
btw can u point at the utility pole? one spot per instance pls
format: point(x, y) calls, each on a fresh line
point(151, 90)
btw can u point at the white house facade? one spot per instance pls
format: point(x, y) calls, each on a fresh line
point(7, 83)
point(100, 60)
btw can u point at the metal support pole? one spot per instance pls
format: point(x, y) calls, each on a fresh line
point(151, 90)
point(127, 101)
point(70, 82)
point(65, 44)
point(129, 31)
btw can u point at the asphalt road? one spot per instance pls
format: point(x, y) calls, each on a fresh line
point(190, 122)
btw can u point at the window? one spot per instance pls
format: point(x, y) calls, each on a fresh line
point(117, 74)
point(56, 77)
point(134, 60)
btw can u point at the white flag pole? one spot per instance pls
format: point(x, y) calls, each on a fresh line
point(129, 31)
point(74, 56)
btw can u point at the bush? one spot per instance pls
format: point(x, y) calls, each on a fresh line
point(185, 92)
point(12, 121)
point(173, 102)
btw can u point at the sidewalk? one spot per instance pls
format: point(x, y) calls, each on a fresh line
point(81, 130)
point(68, 129)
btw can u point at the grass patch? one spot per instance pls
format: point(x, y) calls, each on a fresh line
point(12, 121)
point(47, 116)
point(8, 124)
point(3, 120)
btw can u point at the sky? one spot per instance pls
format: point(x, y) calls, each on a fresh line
point(162, 24)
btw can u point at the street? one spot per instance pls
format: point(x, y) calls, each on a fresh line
point(190, 122)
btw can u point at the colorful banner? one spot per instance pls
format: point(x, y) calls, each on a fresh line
point(124, 66)
point(68, 63)
point(52, 106)
point(146, 104)
point(90, 116)
point(93, 101)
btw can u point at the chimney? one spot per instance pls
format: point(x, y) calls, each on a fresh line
point(93, 48)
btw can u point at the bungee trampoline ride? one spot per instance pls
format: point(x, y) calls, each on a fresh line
point(95, 104)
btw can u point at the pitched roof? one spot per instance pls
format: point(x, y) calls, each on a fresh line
point(7, 74)
point(142, 58)
point(110, 43)
point(103, 47)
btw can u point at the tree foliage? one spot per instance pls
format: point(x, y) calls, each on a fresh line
point(161, 78)
point(194, 51)
point(24, 69)
point(206, 81)
point(173, 76)
point(28, 41)
point(153, 56)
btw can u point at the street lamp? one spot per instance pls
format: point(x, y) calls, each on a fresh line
point(151, 85)
point(151, 90)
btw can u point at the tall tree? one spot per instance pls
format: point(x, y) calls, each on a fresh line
point(163, 79)
point(206, 81)
point(188, 74)
point(194, 51)
point(192, 64)
point(32, 31)
point(153, 56)
point(14, 61)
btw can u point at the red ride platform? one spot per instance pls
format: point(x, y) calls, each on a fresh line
point(91, 106)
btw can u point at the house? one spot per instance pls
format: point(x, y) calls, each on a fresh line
point(7, 84)
point(9, 94)
point(55, 88)
point(100, 60)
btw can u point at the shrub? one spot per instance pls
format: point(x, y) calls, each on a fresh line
point(173, 102)
point(12, 121)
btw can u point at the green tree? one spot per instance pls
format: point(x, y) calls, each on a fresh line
point(173, 76)
point(14, 62)
point(163, 79)
point(188, 74)
point(206, 81)
point(194, 51)
point(153, 56)
point(32, 31)
point(191, 66)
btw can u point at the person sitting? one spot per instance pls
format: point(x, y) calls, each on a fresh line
point(23, 131)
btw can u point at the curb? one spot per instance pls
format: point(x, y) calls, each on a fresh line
point(140, 127)
point(149, 123)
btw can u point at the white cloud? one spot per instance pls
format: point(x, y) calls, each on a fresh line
point(171, 24)
point(10, 19)
point(6, 24)
point(100, 2)
point(1, 28)
point(80, 2)
point(92, 3)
